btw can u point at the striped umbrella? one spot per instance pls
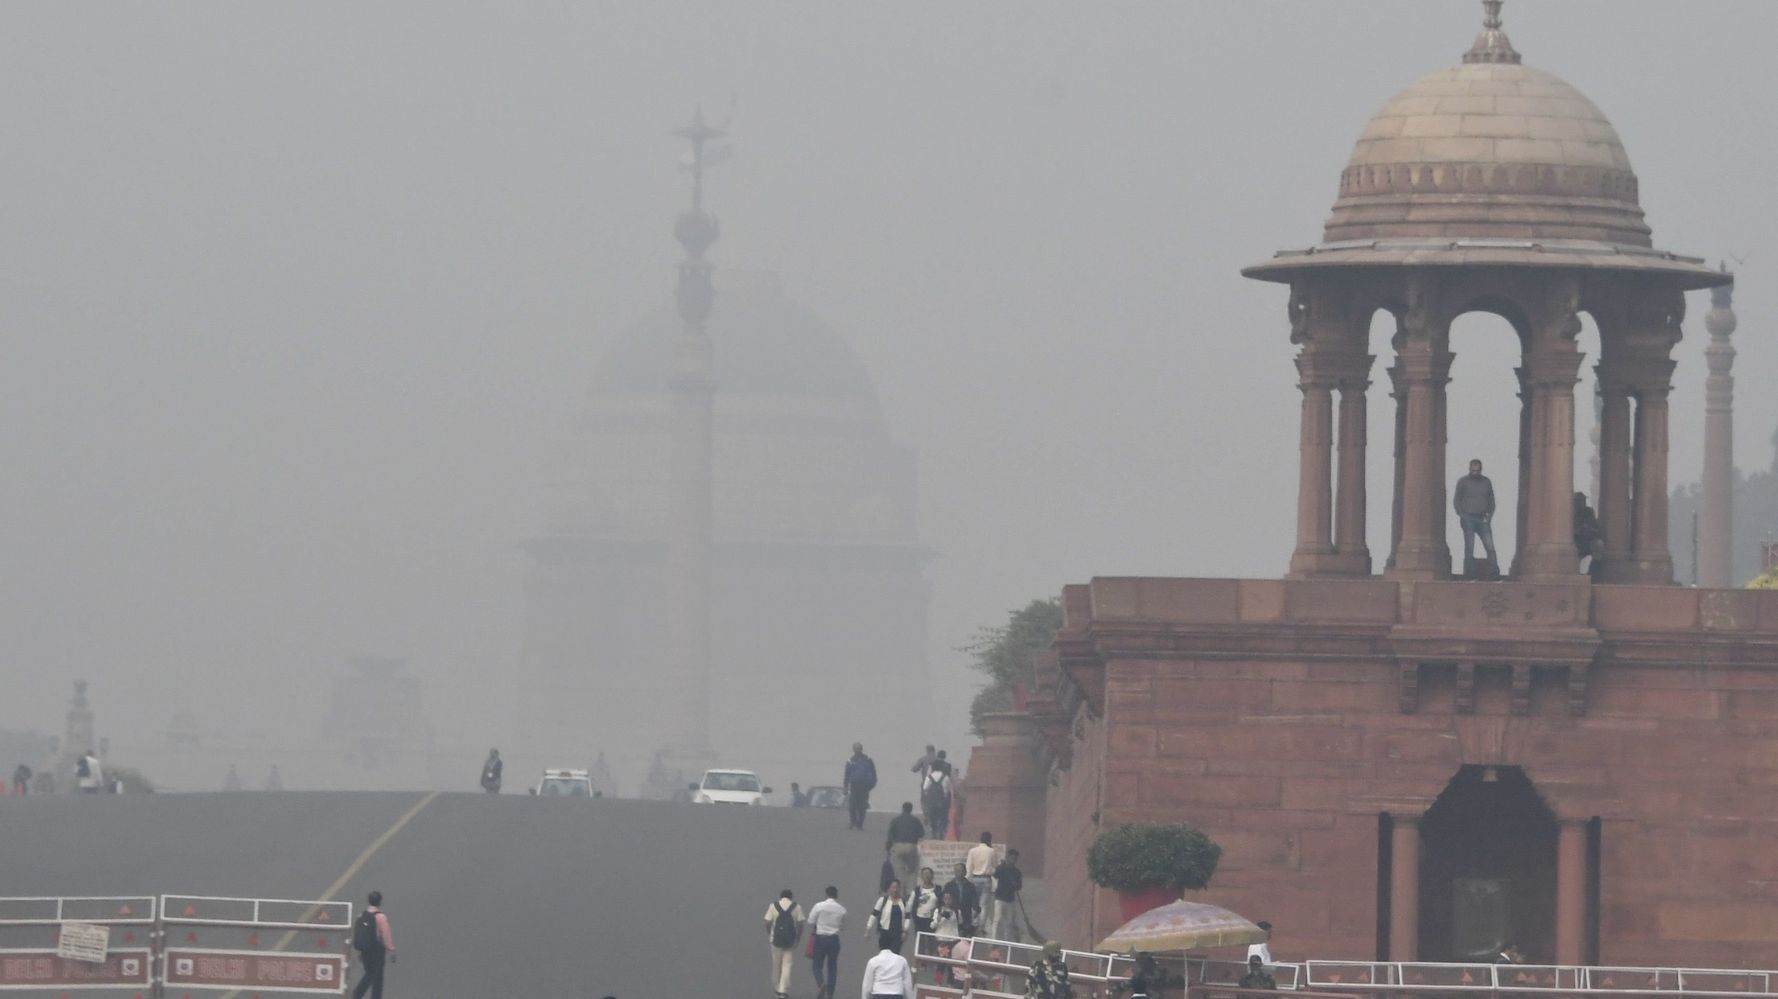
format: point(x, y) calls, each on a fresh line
point(1182, 925)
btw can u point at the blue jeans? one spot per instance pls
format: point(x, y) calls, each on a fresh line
point(1476, 525)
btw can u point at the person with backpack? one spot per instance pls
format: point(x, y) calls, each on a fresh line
point(860, 777)
point(375, 944)
point(935, 802)
point(923, 902)
point(784, 927)
point(491, 771)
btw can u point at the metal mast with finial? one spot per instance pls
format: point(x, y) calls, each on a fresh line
point(692, 387)
point(1715, 545)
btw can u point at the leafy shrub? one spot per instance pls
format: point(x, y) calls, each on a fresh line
point(1142, 855)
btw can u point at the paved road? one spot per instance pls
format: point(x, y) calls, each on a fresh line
point(508, 896)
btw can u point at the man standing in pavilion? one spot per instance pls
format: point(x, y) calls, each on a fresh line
point(1473, 499)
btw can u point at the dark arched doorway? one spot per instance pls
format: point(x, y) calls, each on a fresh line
point(1487, 869)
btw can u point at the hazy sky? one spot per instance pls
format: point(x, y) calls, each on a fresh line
point(299, 301)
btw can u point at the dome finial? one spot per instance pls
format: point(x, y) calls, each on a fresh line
point(1492, 44)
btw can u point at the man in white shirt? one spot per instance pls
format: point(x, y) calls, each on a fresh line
point(88, 774)
point(1263, 949)
point(826, 918)
point(784, 927)
point(979, 864)
point(887, 976)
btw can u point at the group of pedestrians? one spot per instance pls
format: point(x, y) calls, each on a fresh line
point(937, 787)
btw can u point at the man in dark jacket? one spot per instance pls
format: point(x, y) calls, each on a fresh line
point(1008, 882)
point(967, 898)
point(903, 843)
point(1473, 499)
point(859, 778)
point(491, 771)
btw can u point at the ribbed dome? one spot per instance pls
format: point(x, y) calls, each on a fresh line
point(1489, 150)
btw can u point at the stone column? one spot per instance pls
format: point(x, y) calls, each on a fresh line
point(1422, 552)
point(1398, 393)
point(1314, 504)
point(1571, 892)
point(1651, 561)
point(1551, 552)
point(1614, 471)
point(1352, 555)
point(1716, 514)
point(1404, 889)
point(1522, 519)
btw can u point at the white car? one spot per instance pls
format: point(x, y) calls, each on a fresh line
point(564, 783)
point(729, 787)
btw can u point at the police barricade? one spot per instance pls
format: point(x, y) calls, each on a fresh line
point(1229, 973)
point(70, 947)
point(997, 969)
point(267, 946)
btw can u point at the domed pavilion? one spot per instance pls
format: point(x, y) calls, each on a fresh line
point(1495, 187)
point(1415, 768)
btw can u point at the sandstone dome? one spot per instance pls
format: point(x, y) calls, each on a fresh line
point(1489, 162)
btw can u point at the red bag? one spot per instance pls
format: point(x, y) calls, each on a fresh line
point(809, 948)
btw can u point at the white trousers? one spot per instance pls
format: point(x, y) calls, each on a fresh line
point(781, 958)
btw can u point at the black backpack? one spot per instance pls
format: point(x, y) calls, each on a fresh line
point(784, 926)
point(364, 933)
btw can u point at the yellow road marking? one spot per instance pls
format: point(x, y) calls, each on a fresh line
point(351, 872)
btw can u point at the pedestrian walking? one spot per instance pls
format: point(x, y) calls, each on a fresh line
point(963, 890)
point(888, 919)
point(88, 774)
point(231, 781)
point(784, 927)
point(1049, 976)
point(923, 765)
point(21, 779)
point(947, 919)
point(859, 778)
point(935, 802)
point(798, 797)
point(375, 945)
point(492, 769)
point(274, 781)
point(826, 919)
point(923, 902)
point(980, 862)
point(903, 843)
point(887, 976)
point(1008, 882)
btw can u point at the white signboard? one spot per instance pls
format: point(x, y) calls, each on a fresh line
point(83, 942)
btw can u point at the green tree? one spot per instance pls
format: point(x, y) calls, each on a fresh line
point(1003, 655)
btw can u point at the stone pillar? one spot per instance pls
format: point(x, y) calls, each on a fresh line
point(1552, 371)
point(1571, 892)
point(1422, 551)
point(1404, 889)
point(1004, 786)
point(1397, 392)
point(1314, 503)
point(1522, 518)
point(1614, 472)
point(1716, 513)
point(1352, 555)
point(1651, 561)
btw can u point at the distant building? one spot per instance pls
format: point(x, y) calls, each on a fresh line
point(1754, 523)
point(818, 595)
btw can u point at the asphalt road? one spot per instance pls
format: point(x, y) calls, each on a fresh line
point(508, 896)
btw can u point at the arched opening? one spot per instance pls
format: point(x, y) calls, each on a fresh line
point(1482, 423)
point(1488, 869)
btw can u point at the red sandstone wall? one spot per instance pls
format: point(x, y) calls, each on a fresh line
point(1287, 764)
point(1071, 806)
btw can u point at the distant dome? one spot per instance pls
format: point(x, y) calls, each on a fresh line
point(764, 345)
point(1489, 149)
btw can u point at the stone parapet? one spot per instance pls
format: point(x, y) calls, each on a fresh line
point(1003, 788)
